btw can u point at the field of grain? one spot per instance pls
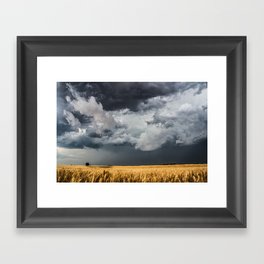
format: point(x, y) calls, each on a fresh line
point(149, 173)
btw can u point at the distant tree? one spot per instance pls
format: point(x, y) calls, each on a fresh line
point(87, 164)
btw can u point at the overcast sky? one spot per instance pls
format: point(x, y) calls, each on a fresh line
point(117, 123)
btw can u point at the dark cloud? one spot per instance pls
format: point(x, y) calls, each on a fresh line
point(128, 155)
point(63, 128)
point(69, 140)
point(121, 95)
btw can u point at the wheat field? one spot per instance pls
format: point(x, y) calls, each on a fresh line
point(144, 173)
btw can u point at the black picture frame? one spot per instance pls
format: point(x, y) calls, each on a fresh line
point(29, 48)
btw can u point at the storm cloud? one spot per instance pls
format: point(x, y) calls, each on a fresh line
point(143, 118)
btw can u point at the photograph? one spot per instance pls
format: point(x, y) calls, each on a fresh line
point(132, 132)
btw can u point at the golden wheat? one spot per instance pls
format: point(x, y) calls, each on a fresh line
point(150, 173)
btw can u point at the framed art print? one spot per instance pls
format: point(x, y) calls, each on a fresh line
point(131, 131)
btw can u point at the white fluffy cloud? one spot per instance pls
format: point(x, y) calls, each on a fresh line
point(181, 118)
point(71, 119)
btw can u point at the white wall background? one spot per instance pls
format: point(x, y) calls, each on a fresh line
point(132, 17)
